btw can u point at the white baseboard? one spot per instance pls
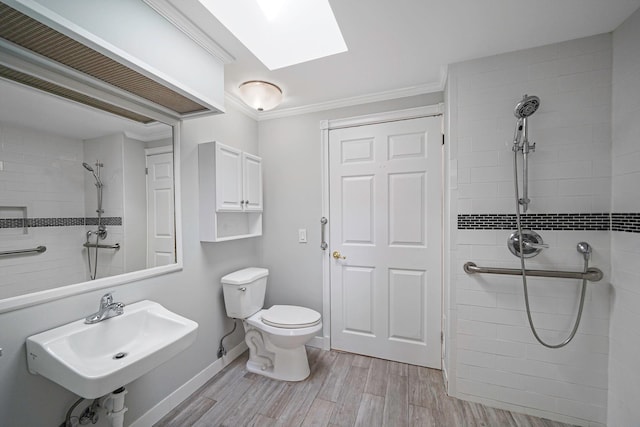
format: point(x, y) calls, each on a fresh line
point(445, 378)
point(165, 406)
point(322, 343)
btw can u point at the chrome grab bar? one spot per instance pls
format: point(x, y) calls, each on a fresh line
point(93, 245)
point(323, 243)
point(592, 274)
point(39, 250)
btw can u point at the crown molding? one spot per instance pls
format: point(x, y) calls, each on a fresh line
point(184, 24)
point(150, 133)
point(338, 103)
point(232, 99)
point(357, 100)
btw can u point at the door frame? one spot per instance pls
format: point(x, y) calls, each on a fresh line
point(325, 127)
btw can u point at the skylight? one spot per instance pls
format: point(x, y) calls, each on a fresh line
point(281, 33)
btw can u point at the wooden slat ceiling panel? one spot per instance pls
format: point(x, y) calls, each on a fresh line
point(37, 37)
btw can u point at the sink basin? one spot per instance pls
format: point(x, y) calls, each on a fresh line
point(94, 360)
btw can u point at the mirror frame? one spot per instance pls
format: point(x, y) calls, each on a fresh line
point(41, 297)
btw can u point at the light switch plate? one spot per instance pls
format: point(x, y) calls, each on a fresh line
point(302, 235)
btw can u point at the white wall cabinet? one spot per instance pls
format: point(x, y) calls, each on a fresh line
point(238, 180)
point(230, 193)
point(252, 182)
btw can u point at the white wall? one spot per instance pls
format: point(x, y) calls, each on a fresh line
point(134, 221)
point(195, 292)
point(41, 172)
point(291, 152)
point(492, 356)
point(624, 373)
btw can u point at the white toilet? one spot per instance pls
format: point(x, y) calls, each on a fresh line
point(276, 336)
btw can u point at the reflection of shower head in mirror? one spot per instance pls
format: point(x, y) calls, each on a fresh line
point(90, 169)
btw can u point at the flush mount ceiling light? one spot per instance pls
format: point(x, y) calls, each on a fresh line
point(262, 96)
point(281, 33)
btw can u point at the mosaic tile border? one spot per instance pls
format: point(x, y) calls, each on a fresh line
point(56, 222)
point(626, 222)
point(629, 222)
point(560, 222)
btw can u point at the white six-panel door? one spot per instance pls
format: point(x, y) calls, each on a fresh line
point(385, 217)
point(160, 216)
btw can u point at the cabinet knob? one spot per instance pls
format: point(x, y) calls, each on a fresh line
point(246, 202)
point(242, 202)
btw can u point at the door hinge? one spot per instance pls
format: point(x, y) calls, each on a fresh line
point(443, 139)
point(442, 337)
point(146, 171)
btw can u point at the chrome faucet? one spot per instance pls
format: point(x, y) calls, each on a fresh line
point(107, 309)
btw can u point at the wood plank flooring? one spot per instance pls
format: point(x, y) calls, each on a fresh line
point(343, 390)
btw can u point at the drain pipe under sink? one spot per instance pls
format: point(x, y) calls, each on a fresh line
point(113, 404)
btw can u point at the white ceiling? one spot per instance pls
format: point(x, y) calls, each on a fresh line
point(403, 46)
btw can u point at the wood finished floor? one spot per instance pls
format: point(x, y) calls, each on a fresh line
point(343, 390)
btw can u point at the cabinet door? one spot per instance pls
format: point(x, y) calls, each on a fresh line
point(228, 178)
point(252, 174)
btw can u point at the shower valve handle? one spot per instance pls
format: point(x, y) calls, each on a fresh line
point(533, 245)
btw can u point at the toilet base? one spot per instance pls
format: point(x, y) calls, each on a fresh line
point(294, 360)
point(269, 360)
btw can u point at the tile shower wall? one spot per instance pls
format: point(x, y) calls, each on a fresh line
point(624, 373)
point(40, 172)
point(492, 356)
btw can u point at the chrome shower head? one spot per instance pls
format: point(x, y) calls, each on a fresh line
point(526, 107)
point(87, 167)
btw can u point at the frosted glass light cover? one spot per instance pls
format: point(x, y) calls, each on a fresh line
point(262, 96)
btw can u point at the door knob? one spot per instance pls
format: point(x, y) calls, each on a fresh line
point(337, 255)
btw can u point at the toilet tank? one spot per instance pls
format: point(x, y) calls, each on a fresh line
point(244, 291)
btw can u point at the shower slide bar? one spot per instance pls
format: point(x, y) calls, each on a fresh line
point(39, 250)
point(93, 245)
point(592, 274)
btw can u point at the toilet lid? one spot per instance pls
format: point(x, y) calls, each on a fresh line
point(290, 316)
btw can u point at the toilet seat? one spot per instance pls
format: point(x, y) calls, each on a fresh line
point(290, 317)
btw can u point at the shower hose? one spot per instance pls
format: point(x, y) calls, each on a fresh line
point(524, 273)
point(93, 272)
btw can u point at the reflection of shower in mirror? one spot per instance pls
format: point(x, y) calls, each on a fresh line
point(101, 232)
point(53, 148)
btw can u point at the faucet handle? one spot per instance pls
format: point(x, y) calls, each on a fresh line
point(119, 307)
point(107, 299)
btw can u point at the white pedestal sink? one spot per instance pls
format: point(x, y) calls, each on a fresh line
point(93, 360)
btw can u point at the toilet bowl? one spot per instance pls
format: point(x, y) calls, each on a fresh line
point(276, 337)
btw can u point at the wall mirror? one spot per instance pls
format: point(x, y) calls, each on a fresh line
point(97, 190)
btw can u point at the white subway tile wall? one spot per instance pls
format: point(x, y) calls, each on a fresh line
point(496, 360)
point(41, 172)
point(624, 372)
